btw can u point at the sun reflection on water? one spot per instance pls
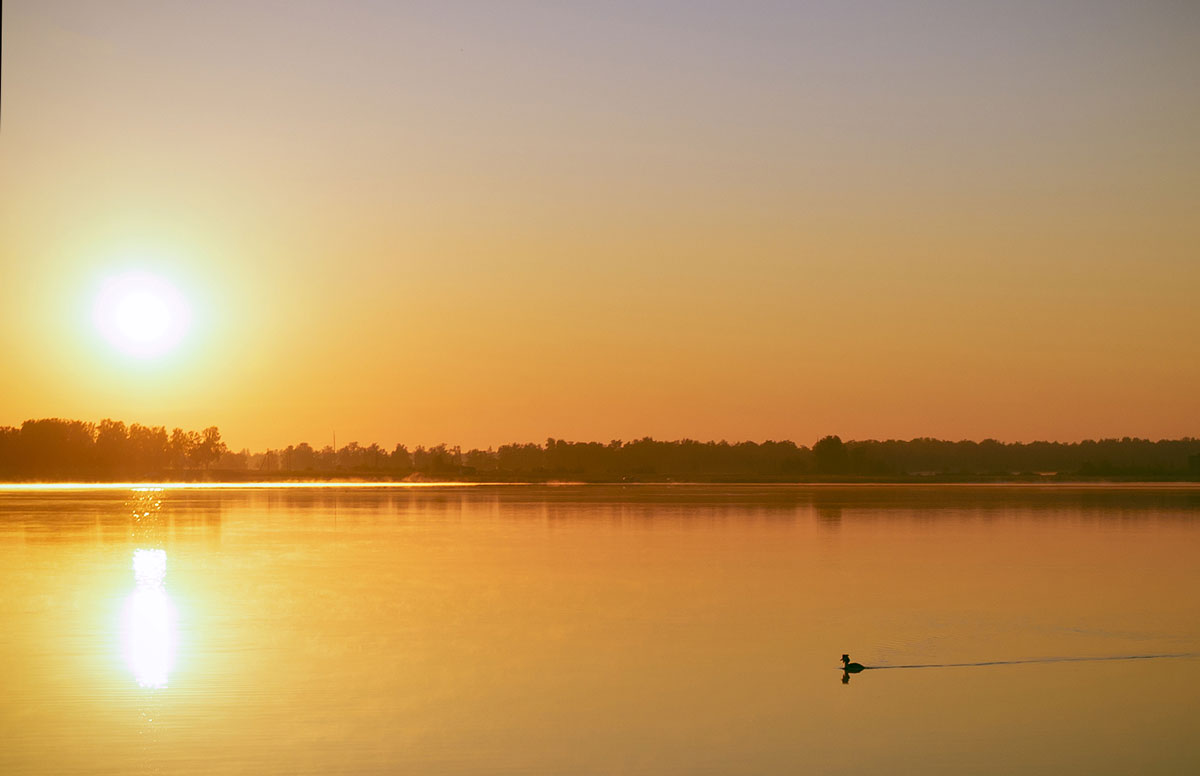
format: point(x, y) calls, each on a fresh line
point(150, 568)
point(149, 621)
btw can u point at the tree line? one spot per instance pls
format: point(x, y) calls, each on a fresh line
point(52, 448)
point(56, 449)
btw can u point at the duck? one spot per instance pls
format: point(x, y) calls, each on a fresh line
point(851, 668)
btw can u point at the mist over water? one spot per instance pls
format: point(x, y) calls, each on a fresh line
point(601, 629)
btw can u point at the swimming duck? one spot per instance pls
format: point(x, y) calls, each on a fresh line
point(851, 668)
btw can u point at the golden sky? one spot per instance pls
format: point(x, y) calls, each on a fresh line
point(480, 223)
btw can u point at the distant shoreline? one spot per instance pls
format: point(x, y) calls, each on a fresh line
point(60, 450)
point(216, 478)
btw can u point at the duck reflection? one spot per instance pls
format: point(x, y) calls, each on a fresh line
point(850, 668)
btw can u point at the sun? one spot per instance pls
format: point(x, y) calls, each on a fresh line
point(140, 314)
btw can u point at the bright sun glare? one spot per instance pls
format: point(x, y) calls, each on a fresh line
point(140, 314)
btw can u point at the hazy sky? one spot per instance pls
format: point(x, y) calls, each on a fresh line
point(479, 223)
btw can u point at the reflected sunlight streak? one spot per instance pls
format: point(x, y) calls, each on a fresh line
point(148, 622)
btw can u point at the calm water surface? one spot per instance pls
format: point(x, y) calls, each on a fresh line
point(602, 629)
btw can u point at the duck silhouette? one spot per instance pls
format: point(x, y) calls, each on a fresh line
point(851, 668)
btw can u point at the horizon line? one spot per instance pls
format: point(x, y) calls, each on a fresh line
point(390, 484)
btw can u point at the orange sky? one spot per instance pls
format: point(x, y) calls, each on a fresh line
point(452, 222)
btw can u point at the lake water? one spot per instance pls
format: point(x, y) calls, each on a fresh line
point(600, 629)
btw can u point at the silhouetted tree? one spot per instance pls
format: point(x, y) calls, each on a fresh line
point(208, 448)
point(148, 449)
point(830, 455)
point(180, 447)
point(111, 443)
point(401, 459)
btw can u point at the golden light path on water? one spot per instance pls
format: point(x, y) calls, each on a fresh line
point(149, 620)
point(149, 623)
